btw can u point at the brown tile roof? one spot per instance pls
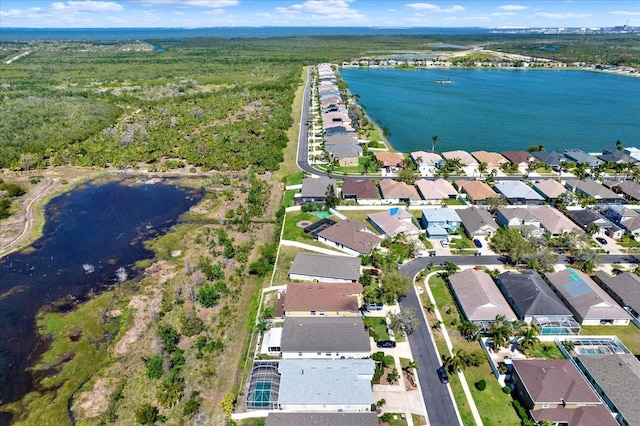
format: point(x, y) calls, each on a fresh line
point(550, 188)
point(517, 157)
point(476, 190)
point(351, 234)
point(465, 158)
point(390, 159)
point(322, 297)
point(435, 189)
point(392, 189)
point(479, 296)
point(493, 159)
point(589, 415)
point(552, 220)
point(362, 189)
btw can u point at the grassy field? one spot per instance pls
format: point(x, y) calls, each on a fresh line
point(377, 328)
point(630, 334)
point(287, 254)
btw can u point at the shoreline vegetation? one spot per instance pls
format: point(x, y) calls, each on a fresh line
point(194, 308)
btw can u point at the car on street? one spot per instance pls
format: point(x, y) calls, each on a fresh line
point(601, 240)
point(477, 243)
point(442, 374)
point(386, 344)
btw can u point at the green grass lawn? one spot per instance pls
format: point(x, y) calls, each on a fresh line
point(287, 200)
point(287, 254)
point(398, 420)
point(547, 350)
point(494, 405)
point(260, 421)
point(291, 229)
point(377, 328)
point(295, 178)
point(627, 242)
point(461, 242)
point(630, 334)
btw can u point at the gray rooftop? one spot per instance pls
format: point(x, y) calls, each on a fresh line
point(324, 334)
point(326, 382)
point(619, 377)
point(593, 189)
point(582, 157)
point(531, 295)
point(440, 214)
point(316, 187)
point(321, 265)
point(517, 189)
point(479, 296)
point(551, 158)
point(322, 419)
point(474, 219)
point(626, 286)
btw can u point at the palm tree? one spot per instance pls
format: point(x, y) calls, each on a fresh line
point(528, 337)
point(411, 366)
point(393, 376)
point(434, 141)
point(619, 145)
point(501, 331)
point(468, 330)
point(482, 168)
point(456, 362)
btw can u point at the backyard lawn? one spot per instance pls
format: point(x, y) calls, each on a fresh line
point(630, 335)
point(377, 328)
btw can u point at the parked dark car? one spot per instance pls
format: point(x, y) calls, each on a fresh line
point(386, 344)
point(617, 271)
point(601, 240)
point(477, 243)
point(442, 374)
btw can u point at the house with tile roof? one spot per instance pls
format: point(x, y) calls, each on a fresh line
point(362, 191)
point(591, 188)
point(477, 222)
point(390, 160)
point(612, 155)
point(350, 236)
point(349, 139)
point(590, 304)
point(465, 158)
point(321, 419)
point(477, 192)
point(434, 191)
point(345, 155)
point(315, 299)
point(325, 268)
point(534, 302)
point(492, 159)
point(517, 193)
point(479, 298)
point(624, 289)
point(628, 188)
point(395, 221)
point(553, 222)
point(550, 189)
point(580, 157)
point(554, 390)
point(395, 192)
point(440, 222)
point(521, 158)
point(552, 159)
point(426, 162)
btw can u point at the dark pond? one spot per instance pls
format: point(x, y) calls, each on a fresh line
point(90, 233)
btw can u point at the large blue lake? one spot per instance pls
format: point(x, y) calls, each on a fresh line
point(102, 225)
point(499, 110)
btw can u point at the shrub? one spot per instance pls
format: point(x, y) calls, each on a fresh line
point(506, 390)
point(228, 404)
point(169, 336)
point(146, 414)
point(154, 367)
point(475, 357)
point(481, 385)
point(208, 296)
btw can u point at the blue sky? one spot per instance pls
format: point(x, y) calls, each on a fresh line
point(384, 13)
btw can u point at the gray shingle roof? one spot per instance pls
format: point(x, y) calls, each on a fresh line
point(479, 296)
point(517, 189)
point(626, 286)
point(325, 334)
point(475, 219)
point(322, 419)
point(582, 157)
point(593, 189)
point(531, 295)
point(551, 158)
point(316, 187)
point(351, 234)
point(321, 265)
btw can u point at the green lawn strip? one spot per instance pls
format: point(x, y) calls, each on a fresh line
point(287, 254)
point(547, 350)
point(494, 405)
point(398, 420)
point(295, 178)
point(291, 229)
point(456, 202)
point(630, 334)
point(287, 200)
point(461, 242)
point(377, 328)
point(260, 421)
point(627, 242)
point(418, 420)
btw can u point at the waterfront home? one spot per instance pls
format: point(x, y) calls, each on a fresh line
point(350, 236)
point(319, 299)
point(590, 304)
point(633, 152)
point(339, 130)
point(625, 289)
point(349, 139)
point(345, 155)
point(325, 268)
point(341, 385)
point(520, 218)
point(465, 158)
point(322, 419)
point(395, 221)
point(587, 218)
point(394, 192)
point(390, 160)
point(592, 189)
point(629, 188)
point(436, 191)
point(493, 160)
point(440, 222)
point(477, 222)
point(479, 299)
point(552, 159)
point(522, 159)
point(517, 192)
point(613, 155)
point(477, 192)
point(550, 189)
point(534, 302)
point(332, 119)
point(581, 157)
point(555, 391)
point(314, 190)
point(426, 162)
point(553, 222)
point(362, 191)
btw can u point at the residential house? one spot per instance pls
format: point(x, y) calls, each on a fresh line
point(325, 268)
point(322, 419)
point(518, 192)
point(350, 236)
point(626, 218)
point(314, 190)
point(363, 191)
point(426, 162)
point(394, 192)
point(612, 155)
point(590, 304)
point(440, 222)
point(534, 302)
point(553, 222)
point(390, 160)
point(435, 191)
point(581, 157)
point(550, 189)
point(591, 188)
point(520, 218)
point(624, 289)
point(477, 222)
point(349, 139)
point(465, 158)
point(477, 192)
point(322, 300)
point(339, 130)
point(396, 220)
point(479, 299)
point(629, 188)
point(493, 160)
point(345, 155)
point(552, 159)
point(554, 390)
point(587, 218)
point(342, 385)
point(332, 119)
point(522, 159)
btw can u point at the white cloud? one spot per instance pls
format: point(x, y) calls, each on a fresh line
point(323, 9)
point(215, 4)
point(435, 8)
point(87, 6)
point(501, 14)
point(624, 13)
point(392, 10)
point(561, 15)
point(512, 7)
